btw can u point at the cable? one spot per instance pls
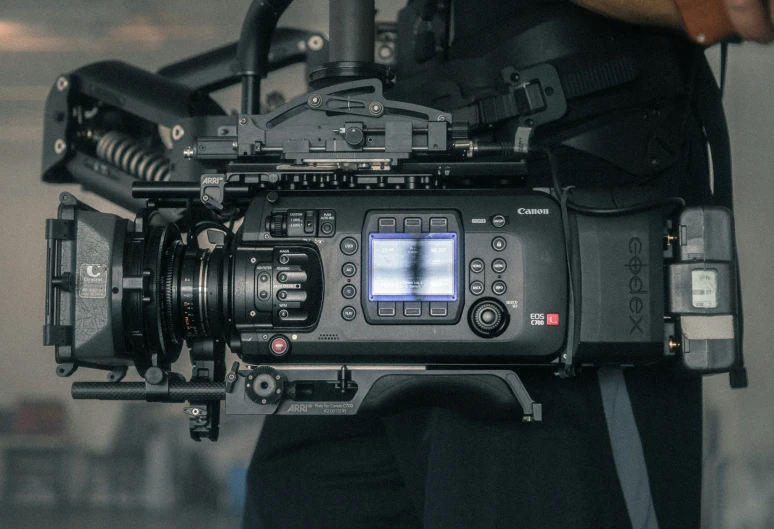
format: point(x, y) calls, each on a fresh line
point(629, 210)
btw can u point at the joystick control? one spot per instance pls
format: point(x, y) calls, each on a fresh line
point(488, 318)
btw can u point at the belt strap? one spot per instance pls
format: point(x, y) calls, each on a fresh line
point(627, 448)
point(525, 96)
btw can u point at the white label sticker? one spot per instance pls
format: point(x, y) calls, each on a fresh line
point(92, 281)
point(704, 288)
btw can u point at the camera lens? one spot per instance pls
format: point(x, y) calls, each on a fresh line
point(190, 289)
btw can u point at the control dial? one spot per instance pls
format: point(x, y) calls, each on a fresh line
point(264, 385)
point(488, 318)
point(276, 225)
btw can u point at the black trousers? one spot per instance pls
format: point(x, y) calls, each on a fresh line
point(433, 468)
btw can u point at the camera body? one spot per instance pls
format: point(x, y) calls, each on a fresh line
point(397, 277)
point(437, 277)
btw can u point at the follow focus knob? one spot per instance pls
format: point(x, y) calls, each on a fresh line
point(264, 385)
point(488, 318)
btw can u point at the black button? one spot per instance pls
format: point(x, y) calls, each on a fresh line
point(327, 221)
point(499, 266)
point(349, 269)
point(292, 276)
point(349, 291)
point(488, 316)
point(499, 244)
point(386, 309)
point(348, 246)
point(293, 258)
point(438, 225)
point(498, 287)
point(348, 313)
point(412, 308)
point(283, 314)
point(477, 288)
point(412, 225)
point(263, 278)
point(387, 225)
point(477, 266)
point(292, 296)
point(263, 294)
point(438, 309)
point(498, 221)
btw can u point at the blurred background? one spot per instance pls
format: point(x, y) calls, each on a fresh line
point(94, 464)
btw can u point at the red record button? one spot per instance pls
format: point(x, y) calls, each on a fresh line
point(279, 345)
point(552, 318)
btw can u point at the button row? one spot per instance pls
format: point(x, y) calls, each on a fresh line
point(412, 225)
point(388, 309)
point(498, 265)
point(498, 287)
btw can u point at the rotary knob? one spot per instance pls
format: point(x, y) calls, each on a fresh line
point(276, 225)
point(264, 385)
point(488, 318)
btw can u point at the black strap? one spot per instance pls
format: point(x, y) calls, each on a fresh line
point(601, 76)
point(525, 96)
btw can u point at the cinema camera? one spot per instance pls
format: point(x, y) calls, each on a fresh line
point(389, 254)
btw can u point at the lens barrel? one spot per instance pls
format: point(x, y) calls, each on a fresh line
point(191, 296)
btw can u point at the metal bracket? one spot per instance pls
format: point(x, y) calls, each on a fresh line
point(377, 389)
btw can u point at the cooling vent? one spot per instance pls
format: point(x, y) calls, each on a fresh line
point(328, 337)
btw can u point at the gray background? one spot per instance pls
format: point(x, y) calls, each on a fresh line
point(40, 40)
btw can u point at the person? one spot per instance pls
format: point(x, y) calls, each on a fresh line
point(435, 468)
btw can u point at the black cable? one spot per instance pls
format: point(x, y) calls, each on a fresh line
point(723, 64)
point(629, 210)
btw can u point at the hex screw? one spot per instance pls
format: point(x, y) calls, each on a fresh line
point(376, 108)
point(315, 43)
point(62, 83)
point(314, 100)
point(60, 146)
point(243, 121)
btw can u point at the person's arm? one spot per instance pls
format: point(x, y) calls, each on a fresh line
point(748, 19)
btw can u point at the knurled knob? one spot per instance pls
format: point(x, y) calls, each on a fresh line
point(277, 225)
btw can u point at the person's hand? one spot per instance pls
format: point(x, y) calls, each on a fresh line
point(749, 19)
point(752, 19)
